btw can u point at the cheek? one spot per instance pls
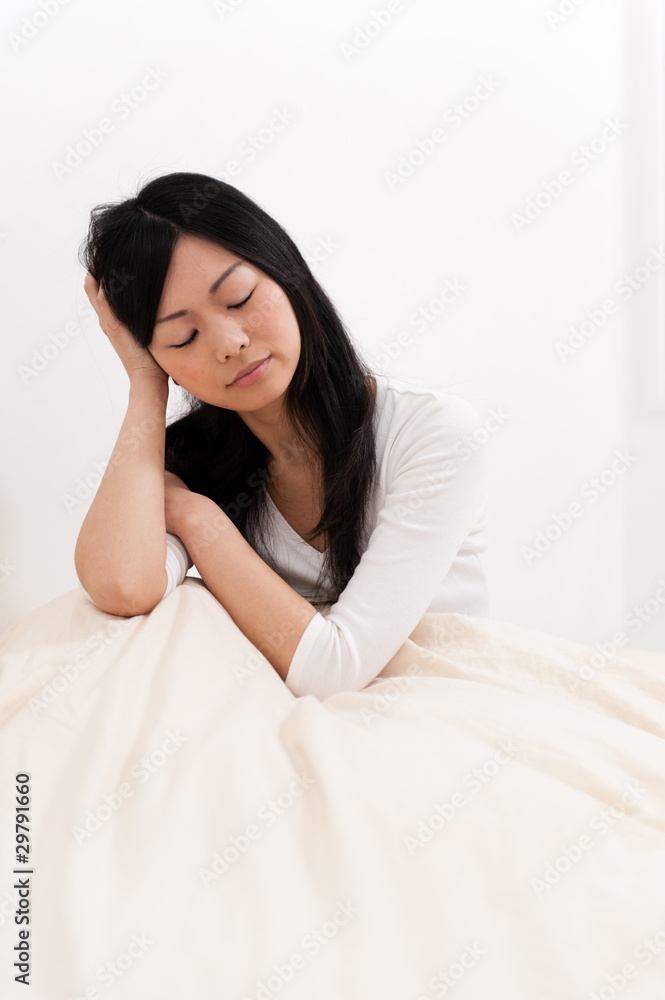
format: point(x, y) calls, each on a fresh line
point(269, 312)
point(189, 372)
point(174, 365)
point(164, 360)
point(277, 327)
point(279, 321)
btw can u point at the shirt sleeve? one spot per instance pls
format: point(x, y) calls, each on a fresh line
point(436, 479)
point(178, 562)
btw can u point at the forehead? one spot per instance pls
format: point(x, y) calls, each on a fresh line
point(192, 255)
point(197, 268)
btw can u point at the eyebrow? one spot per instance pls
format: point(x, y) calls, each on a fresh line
point(212, 290)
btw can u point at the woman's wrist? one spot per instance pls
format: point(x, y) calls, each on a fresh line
point(152, 386)
point(201, 521)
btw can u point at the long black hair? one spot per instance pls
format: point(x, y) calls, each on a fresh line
point(329, 402)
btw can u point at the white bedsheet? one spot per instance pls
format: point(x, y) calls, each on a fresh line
point(486, 820)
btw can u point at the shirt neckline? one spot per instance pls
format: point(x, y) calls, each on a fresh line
point(280, 517)
point(290, 530)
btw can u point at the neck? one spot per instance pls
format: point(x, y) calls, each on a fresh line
point(286, 449)
point(270, 426)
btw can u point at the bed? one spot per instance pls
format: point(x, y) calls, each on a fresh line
point(486, 817)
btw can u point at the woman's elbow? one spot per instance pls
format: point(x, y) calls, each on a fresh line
point(127, 601)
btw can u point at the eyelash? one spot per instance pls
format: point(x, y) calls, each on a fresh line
point(238, 305)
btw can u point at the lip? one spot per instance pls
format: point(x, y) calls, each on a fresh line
point(252, 373)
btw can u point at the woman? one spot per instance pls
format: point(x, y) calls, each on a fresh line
point(480, 808)
point(298, 482)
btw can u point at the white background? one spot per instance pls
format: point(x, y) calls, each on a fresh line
point(356, 112)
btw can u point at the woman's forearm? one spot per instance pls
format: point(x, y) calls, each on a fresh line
point(270, 613)
point(120, 552)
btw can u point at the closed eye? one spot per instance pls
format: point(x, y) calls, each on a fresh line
point(238, 305)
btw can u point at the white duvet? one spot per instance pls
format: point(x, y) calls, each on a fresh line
point(486, 820)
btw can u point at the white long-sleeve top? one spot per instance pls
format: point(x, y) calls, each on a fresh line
point(426, 548)
point(426, 545)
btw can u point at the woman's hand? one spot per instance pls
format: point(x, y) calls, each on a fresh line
point(179, 503)
point(138, 362)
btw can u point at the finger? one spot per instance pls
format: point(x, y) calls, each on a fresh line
point(91, 289)
point(109, 316)
point(110, 321)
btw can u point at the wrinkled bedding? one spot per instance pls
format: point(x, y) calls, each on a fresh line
point(486, 819)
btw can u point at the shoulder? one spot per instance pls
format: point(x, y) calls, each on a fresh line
point(433, 463)
point(407, 408)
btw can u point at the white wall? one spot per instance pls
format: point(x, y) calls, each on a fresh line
point(644, 22)
point(227, 68)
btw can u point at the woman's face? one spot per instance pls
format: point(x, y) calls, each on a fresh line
point(230, 315)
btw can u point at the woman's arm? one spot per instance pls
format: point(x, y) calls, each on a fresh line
point(270, 613)
point(436, 492)
point(435, 495)
point(120, 552)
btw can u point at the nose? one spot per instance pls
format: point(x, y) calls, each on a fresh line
point(228, 336)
